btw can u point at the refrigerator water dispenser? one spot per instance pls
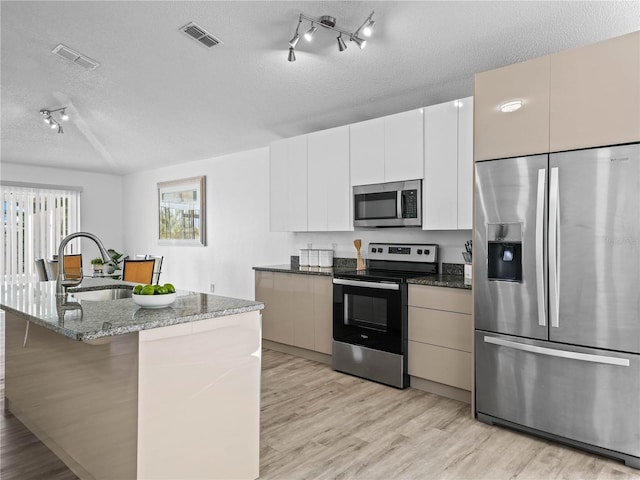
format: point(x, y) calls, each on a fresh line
point(504, 248)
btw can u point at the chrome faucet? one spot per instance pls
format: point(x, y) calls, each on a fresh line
point(63, 283)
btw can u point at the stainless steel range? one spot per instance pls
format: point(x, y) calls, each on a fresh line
point(370, 312)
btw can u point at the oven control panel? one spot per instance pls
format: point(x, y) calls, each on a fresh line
point(402, 252)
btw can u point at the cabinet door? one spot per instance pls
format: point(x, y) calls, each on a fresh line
point(523, 132)
point(403, 146)
point(323, 313)
point(297, 182)
point(367, 152)
point(465, 163)
point(273, 290)
point(329, 188)
point(595, 94)
point(300, 313)
point(440, 186)
point(288, 185)
point(278, 186)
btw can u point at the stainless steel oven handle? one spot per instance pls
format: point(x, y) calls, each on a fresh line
point(360, 283)
point(585, 357)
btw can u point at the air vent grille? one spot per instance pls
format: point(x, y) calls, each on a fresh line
point(200, 35)
point(77, 58)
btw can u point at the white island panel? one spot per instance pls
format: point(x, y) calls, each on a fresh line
point(199, 399)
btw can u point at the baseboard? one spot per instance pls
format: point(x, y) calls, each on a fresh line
point(441, 389)
point(298, 352)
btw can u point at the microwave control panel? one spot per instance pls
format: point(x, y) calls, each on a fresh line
point(409, 204)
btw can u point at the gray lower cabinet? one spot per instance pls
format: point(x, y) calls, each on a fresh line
point(298, 309)
point(441, 335)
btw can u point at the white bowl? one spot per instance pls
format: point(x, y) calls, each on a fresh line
point(154, 301)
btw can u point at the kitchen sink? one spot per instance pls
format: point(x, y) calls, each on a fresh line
point(103, 295)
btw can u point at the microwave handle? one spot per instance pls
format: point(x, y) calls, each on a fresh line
point(400, 205)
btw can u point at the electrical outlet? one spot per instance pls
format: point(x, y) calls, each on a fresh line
point(212, 287)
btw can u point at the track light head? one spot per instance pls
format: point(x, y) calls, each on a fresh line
point(294, 41)
point(341, 45)
point(359, 41)
point(368, 28)
point(63, 115)
point(292, 55)
point(53, 125)
point(309, 35)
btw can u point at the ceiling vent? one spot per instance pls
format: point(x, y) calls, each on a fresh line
point(200, 35)
point(77, 58)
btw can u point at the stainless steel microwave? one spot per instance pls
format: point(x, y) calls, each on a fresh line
point(393, 204)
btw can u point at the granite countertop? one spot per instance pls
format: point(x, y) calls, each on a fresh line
point(88, 320)
point(441, 280)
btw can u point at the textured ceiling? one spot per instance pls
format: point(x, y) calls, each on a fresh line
point(159, 98)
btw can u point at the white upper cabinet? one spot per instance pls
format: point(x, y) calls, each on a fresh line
point(465, 164)
point(329, 188)
point(367, 152)
point(288, 185)
point(448, 166)
point(387, 149)
point(403, 146)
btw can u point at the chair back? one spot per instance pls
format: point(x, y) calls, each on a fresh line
point(73, 266)
point(52, 269)
point(139, 271)
point(157, 267)
point(41, 271)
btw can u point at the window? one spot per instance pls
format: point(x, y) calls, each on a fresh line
point(35, 219)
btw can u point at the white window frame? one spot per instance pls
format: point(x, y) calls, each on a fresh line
point(36, 217)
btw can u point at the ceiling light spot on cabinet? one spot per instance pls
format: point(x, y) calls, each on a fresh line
point(509, 107)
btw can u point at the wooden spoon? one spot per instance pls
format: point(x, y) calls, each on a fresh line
point(360, 262)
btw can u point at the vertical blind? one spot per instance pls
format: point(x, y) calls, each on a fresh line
point(35, 220)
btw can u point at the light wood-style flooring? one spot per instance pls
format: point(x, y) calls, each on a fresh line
point(321, 424)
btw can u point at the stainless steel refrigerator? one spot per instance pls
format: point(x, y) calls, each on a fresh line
point(557, 297)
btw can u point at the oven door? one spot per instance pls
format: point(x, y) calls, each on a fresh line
point(370, 314)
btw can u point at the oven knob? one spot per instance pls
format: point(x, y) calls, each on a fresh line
point(419, 252)
point(373, 250)
point(379, 250)
point(427, 252)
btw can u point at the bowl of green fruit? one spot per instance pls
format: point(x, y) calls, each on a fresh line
point(154, 296)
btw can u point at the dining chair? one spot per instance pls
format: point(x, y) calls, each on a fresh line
point(139, 271)
point(41, 270)
point(157, 267)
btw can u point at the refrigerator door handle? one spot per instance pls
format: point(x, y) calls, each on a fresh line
point(554, 215)
point(585, 357)
point(541, 295)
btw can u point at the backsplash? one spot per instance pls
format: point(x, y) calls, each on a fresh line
point(452, 269)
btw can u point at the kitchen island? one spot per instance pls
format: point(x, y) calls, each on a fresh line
point(122, 392)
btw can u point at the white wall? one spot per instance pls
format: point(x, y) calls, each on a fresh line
point(238, 227)
point(101, 201)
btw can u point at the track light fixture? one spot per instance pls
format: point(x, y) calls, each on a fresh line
point(52, 122)
point(329, 22)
